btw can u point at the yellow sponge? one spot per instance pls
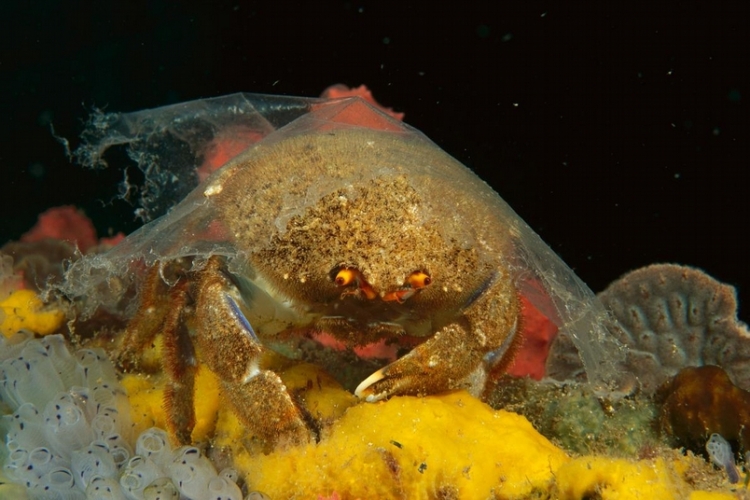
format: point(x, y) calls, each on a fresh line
point(705, 495)
point(609, 478)
point(23, 309)
point(450, 446)
point(446, 446)
point(146, 394)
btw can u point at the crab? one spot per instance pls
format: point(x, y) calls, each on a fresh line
point(367, 235)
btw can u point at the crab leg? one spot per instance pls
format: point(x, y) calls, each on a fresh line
point(454, 357)
point(180, 366)
point(231, 349)
point(147, 322)
point(161, 312)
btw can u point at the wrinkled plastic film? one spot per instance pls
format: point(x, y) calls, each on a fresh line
point(170, 143)
point(578, 313)
point(167, 144)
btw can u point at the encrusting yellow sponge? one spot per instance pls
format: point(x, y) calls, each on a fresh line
point(705, 495)
point(618, 479)
point(146, 394)
point(444, 446)
point(23, 309)
point(450, 446)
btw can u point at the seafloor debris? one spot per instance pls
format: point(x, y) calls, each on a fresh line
point(670, 317)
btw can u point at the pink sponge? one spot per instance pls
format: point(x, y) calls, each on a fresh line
point(63, 223)
point(340, 90)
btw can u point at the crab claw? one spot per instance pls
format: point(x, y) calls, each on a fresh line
point(362, 391)
point(452, 359)
point(412, 374)
point(417, 379)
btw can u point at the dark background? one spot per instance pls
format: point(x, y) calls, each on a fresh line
point(619, 133)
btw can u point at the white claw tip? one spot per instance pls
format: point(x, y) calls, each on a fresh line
point(366, 383)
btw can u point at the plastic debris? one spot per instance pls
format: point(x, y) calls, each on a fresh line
point(168, 144)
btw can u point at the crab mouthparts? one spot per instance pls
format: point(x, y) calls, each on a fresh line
point(395, 296)
point(351, 276)
point(399, 295)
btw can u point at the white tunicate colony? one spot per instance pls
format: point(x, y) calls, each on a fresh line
point(68, 433)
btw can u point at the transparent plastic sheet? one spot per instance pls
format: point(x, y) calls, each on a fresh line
point(168, 144)
point(197, 226)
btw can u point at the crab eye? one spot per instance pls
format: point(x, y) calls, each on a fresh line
point(419, 279)
point(345, 277)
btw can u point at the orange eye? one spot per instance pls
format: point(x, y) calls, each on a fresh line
point(345, 277)
point(419, 279)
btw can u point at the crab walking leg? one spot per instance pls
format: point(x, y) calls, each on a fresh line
point(454, 357)
point(161, 312)
point(147, 322)
point(231, 349)
point(180, 366)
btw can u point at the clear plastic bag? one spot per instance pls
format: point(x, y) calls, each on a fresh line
point(255, 132)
